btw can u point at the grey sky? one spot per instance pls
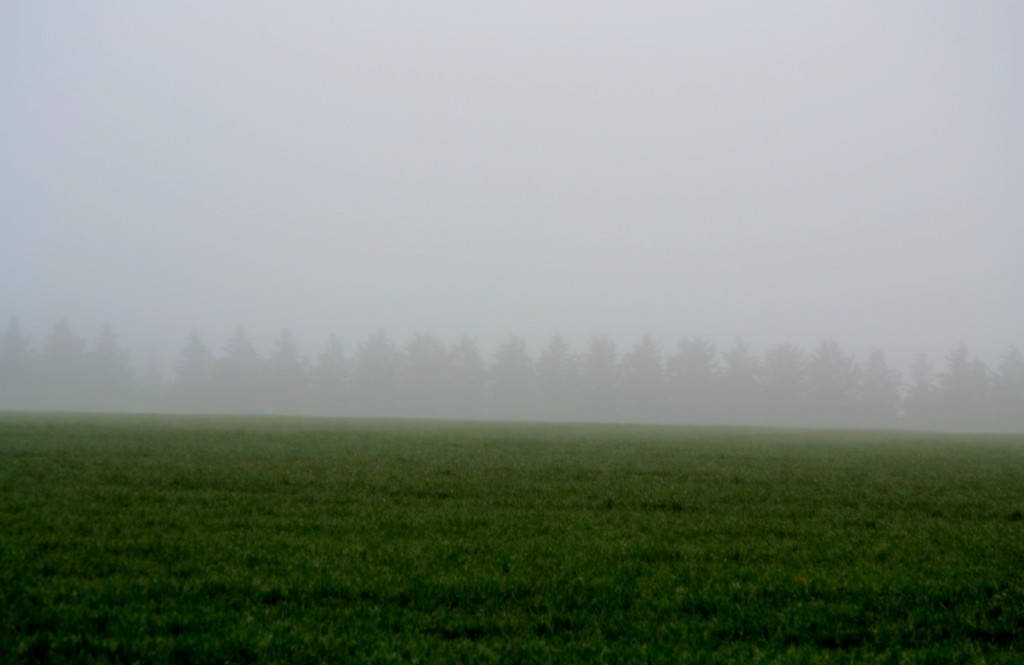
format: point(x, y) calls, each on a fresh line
point(777, 171)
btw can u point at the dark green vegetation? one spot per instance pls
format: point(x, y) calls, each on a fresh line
point(172, 539)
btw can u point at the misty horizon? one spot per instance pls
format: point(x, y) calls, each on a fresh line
point(779, 174)
point(141, 353)
point(692, 382)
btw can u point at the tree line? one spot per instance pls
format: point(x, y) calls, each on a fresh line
point(692, 382)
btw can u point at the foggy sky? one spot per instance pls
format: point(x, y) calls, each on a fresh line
point(778, 171)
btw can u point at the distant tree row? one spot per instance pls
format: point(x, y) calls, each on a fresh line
point(693, 382)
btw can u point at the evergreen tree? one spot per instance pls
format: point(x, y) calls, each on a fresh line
point(288, 378)
point(330, 378)
point(425, 376)
point(1008, 392)
point(111, 380)
point(152, 388)
point(783, 381)
point(558, 382)
point(832, 385)
point(963, 392)
point(982, 384)
point(239, 376)
point(193, 386)
point(512, 381)
point(18, 377)
point(738, 385)
point(879, 392)
point(919, 402)
point(467, 380)
point(643, 382)
point(375, 377)
point(691, 377)
point(63, 370)
point(601, 397)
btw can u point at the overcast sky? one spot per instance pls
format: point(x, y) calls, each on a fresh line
point(782, 171)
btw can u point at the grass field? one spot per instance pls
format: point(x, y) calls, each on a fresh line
point(177, 539)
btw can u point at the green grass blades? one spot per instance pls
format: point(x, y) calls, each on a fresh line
point(176, 539)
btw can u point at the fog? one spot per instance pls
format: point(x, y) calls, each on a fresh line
point(778, 172)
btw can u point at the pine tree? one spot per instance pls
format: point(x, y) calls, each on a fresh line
point(601, 395)
point(879, 392)
point(783, 380)
point(240, 376)
point(467, 381)
point(288, 379)
point(330, 377)
point(63, 370)
point(110, 376)
point(375, 377)
point(425, 376)
point(643, 382)
point(919, 401)
point(512, 382)
point(18, 370)
point(193, 385)
point(1008, 392)
point(738, 385)
point(558, 382)
point(832, 385)
point(692, 378)
point(962, 392)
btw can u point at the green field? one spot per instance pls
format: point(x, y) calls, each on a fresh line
point(177, 539)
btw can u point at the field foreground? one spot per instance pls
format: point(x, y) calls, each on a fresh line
point(176, 539)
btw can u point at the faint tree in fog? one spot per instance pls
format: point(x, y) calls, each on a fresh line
point(467, 380)
point(63, 369)
point(558, 382)
point(17, 369)
point(1008, 392)
point(601, 397)
point(512, 381)
point(919, 401)
point(879, 392)
point(738, 385)
point(691, 382)
point(832, 385)
point(151, 388)
point(109, 374)
point(982, 378)
point(424, 377)
point(643, 382)
point(193, 386)
point(783, 382)
point(329, 378)
point(239, 377)
point(963, 388)
point(288, 378)
point(829, 388)
point(375, 377)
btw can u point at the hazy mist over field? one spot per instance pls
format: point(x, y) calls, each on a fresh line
point(780, 172)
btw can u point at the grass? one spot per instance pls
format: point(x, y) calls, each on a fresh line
point(177, 539)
